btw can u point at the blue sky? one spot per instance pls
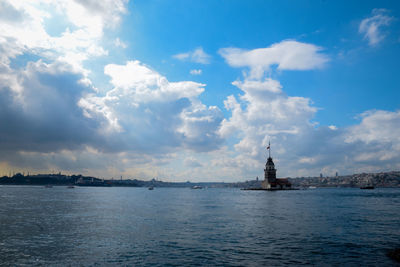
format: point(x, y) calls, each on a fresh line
point(213, 24)
point(194, 90)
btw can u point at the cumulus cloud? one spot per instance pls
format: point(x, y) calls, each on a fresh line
point(109, 10)
point(49, 114)
point(52, 117)
point(372, 27)
point(39, 109)
point(287, 55)
point(301, 147)
point(264, 111)
point(151, 114)
point(27, 30)
point(40, 94)
point(146, 84)
point(196, 72)
point(376, 126)
point(198, 56)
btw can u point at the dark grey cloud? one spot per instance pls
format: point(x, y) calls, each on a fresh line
point(40, 112)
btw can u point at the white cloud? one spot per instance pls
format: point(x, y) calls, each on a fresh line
point(371, 27)
point(376, 126)
point(287, 55)
point(144, 106)
point(145, 84)
point(109, 10)
point(150, 126)
point(192, 162)
point(263, 112)
point(50, 119)
point(119, 43)
point(196, 72)
point(332, 127)
point(300, 147)
point(27, 30)
point(198, 56)
point(307, 160)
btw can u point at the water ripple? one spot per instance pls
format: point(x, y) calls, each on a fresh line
point(182, 227)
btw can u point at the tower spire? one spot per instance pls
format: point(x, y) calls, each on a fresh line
point(269, 149)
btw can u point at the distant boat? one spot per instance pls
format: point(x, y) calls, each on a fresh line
point(367, 187)
point(197, 187)
point(312, 187)
point(70, 186)
point(48, 186)
point(151, 188)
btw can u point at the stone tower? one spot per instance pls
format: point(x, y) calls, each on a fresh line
point(270, 180)
point(270, 171)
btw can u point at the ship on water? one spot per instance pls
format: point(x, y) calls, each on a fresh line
point(367, 187)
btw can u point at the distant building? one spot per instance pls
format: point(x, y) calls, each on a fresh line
point(270, 180)
point(320, 175)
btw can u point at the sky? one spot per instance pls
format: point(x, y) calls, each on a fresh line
point(195, 90)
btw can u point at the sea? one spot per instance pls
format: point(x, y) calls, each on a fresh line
point(115, 226)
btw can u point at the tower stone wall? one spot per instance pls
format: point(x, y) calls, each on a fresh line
point(269, 174)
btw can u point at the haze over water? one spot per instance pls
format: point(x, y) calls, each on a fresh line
point(135, 226)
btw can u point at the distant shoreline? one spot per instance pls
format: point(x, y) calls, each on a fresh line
point(382, 179)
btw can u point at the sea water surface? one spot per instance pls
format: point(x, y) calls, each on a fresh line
point(209, 227)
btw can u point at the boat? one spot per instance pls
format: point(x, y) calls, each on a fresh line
point(312, 187)
point(151, 188)
point(70, 186)
point(197, 187)
point(367, 187)
point(48, 186)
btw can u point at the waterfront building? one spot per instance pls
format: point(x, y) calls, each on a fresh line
point(270, 180)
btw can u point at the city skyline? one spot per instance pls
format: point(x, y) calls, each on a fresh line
point(195, 90)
